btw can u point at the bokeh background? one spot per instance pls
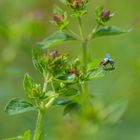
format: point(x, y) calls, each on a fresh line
point(24, 23)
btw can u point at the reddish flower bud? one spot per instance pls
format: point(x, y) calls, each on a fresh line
point(105, 15)
point(54, 54)
point(58, 19)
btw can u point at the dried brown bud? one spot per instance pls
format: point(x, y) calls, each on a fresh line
point(74, 71)
point(76, 4)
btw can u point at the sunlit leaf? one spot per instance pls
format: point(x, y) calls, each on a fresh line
point(17, 106)
point(27, 135)
point(96, 74)
point(54, 39)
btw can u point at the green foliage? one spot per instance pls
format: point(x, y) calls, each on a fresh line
point(33, 90)
point(55, 39)
point(66, 81)
point(60, 18)
point(68, 91)
point(109, 31)
point(38, 63)
point(63, 1)
point(27, 136)
point(103, 15)
point(18, 106)
point(72, 108)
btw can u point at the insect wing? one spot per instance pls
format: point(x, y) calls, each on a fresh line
point(107, 56)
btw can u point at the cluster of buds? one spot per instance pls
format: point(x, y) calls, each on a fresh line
point(57, 62)
point(76, 4)
point(58, 19)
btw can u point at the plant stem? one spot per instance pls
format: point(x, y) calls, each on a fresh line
point(73, 33)
point(46, 80)
point(85, 61)
point(39, 122)
point(81, 28)
point(84, 42)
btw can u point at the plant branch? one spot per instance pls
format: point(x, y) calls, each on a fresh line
point(46, 80)
point(81, 28)
point(84, 43)
point(39, 122)
point(73, 33)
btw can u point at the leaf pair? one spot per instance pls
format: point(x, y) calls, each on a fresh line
point(60, 37)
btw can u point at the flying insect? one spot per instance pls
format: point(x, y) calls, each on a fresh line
point(107, 63)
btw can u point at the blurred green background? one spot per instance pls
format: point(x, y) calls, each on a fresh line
point(24, 23)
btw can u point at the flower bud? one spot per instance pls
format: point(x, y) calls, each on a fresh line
point(54, 54)
point(58, 19)
point(74, 71)
point(105, 15)
point(76, 4)
point(36, 91)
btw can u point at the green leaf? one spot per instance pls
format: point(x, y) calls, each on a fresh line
point(33, 90)
point(27, 135)
point(15, 138)
point(64, 25)
point(115, 111)
point(28, 83)
point(17, 106)
point(98, 10)
point(56, 38)
point(93, 65)
point(57, 10)
point(68, 91)
point(96, 74)
point(72, 108)
point(67, 78)
point(108, 31)
point(36, 62)
point(62, 101)
point(80, 13)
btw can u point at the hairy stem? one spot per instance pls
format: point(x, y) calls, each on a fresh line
point(39, 123)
